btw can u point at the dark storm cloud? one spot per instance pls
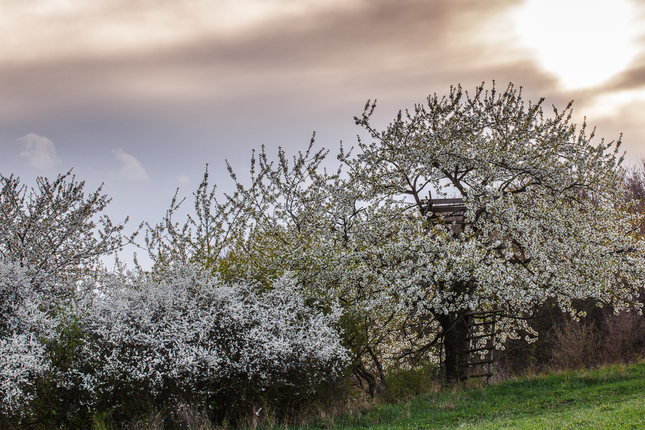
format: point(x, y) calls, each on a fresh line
point(383, 47)
point(321, 66)
point(632, 78)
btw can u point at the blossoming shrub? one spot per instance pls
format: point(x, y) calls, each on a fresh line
point(22, 356)
point(191, 339)
point(130, 345)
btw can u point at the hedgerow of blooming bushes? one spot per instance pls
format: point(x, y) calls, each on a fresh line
point(22, 355)
point(129, 342)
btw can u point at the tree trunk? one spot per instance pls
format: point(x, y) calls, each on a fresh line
point(455, 342)
point(454, 327)
point(373, 384)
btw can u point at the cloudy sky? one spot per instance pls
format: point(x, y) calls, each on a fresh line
point(141, 94)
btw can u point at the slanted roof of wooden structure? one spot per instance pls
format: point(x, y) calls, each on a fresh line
point(450, 210)
point(447, 205)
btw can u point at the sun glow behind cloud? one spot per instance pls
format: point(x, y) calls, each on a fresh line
point(583, 43)
point(606, 104)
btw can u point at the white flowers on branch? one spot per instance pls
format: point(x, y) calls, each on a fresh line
point(54, 230)
point(22, 354)
point(188, 338)
point(543, 222)
point(192, 336)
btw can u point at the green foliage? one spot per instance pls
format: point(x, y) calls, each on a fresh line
point(59, 402)
point(406, 384)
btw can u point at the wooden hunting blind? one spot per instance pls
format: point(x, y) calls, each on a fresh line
point(452, 211)
point(477, 352)
point(452, 208)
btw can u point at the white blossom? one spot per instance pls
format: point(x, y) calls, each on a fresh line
point(22, 326)
point(191, 335)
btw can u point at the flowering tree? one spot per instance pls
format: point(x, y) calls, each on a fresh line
point(54, 230)
point(541, 222)
point(52, 237)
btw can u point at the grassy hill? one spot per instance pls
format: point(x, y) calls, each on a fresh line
point(611, 397)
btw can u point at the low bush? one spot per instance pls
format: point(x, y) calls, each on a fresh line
point(601, 337)
point(129, 347)
point(624, 337)
point(576, 345)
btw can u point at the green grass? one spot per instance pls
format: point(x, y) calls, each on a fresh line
point(611, 397)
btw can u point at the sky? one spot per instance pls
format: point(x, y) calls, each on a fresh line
point(141, 94)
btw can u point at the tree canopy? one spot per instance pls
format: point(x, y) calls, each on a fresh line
point(543, 220)
point(54, 230)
